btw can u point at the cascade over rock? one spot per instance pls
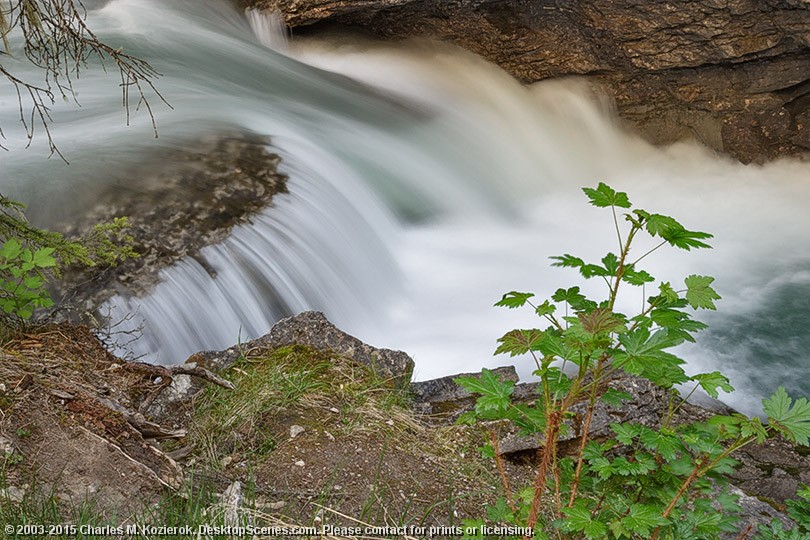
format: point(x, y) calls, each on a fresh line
point(734, 75)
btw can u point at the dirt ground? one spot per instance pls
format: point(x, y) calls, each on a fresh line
point(311, 439)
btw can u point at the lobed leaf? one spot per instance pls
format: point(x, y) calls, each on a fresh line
point(604, 196)
point(517, 342)
point(790, 418)
point(699, 293)
point(710, 382)
point(514, 299)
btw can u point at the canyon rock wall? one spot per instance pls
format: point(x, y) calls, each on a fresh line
point(733, 74)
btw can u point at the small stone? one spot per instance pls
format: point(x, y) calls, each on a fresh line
point(329, 435)
point(13, 494)
point(299, 463)
point(232, 501)
point(389, 423)
point(2, 388)
point(226, 461)
point(295, 431)
point(334, 409)
point(6, 447)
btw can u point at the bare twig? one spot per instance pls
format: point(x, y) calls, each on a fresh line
point(57, 40)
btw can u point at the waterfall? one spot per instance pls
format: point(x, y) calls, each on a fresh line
point(424, 183)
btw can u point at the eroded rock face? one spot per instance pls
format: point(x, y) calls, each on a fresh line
point(733, 74)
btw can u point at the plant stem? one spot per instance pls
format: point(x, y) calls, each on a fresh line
point(620, 270)
point(546, 458)
point(586, 428)
point(672, 410)
point(649, 252)
point(502, 471)
point(699, 471)
point(616, 224)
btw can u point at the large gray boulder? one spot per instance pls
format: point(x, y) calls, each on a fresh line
point(313, 329)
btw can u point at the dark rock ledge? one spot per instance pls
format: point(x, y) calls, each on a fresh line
point(733, 75)
point(178, 202)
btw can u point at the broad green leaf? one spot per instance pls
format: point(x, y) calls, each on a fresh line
point(701, 442)
point(572, 296)
point(600, 320)
point(752, 427)
point(487, 451)
point(517, 342)
point(614, 398)
point(699, 293)
point(710, 382)
point(636, 277)
point(658, 225)
point(790, 418)
point(667, 292)
point(592, 451)
point(624, 467)
point(514, 299)
point(594, 270)
point(611, 264)
point(602, 467)
point(494, 399)
point(11, 249)
point(681, 238)
point(567, 261)
point(529, 419)
point(726, 427)
point(604, 196)
point(43, 259)
point(665, 444)
point(552, 345)
point(579, 519)
point(467, 418)
point(487, 384)
point(676, 322)
point(625, 433)
point(642, 519)
point(500, 512)
point(682, 466)
point(643, 354)
point(546, 308)
point(33, 282)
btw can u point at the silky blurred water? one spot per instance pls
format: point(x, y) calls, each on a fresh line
point(424, 183)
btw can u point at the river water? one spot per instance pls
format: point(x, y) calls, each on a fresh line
point(424, 183)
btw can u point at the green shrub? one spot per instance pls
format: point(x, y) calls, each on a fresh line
point(30, 257)
point(664, 481)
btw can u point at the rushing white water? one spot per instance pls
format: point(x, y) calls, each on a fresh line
point(424, 183)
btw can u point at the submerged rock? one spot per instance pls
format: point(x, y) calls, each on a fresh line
point(179, 202)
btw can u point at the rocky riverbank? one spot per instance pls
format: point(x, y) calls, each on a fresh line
point(320, 425)
point(733, 75)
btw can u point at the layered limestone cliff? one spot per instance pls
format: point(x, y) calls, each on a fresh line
point(733, 74)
